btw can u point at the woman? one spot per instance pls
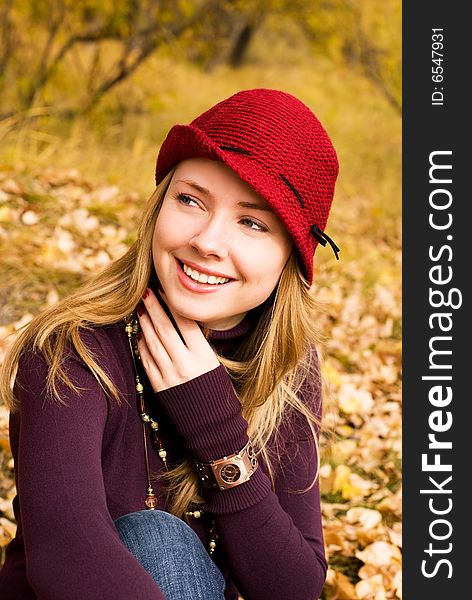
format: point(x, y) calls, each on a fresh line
point(210, 488)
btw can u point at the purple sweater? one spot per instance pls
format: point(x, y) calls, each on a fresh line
point(80, 466)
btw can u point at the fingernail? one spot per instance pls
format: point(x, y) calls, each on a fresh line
point(146, 293)
point(140, 309)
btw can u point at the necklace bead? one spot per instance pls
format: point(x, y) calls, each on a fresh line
point(151, 499)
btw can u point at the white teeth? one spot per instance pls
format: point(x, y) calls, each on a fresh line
point(202, 277)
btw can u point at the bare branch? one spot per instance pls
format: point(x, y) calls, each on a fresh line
point(148, 42)
point(47, 71)
point(124, 71)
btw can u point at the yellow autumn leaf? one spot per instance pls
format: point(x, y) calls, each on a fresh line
point(6, 214)
point(392, 503)
point(397, 584)
point(341, 479)
point(327, 477)
point(344, 430)
point(395, 534)
point(5, 443)
point(354, 400)
point(380, 554)
point(7, 531)
point(332, 374)
point(350, 484)
point(371, 589)
point(333, 537)
point(339, 586)
point(366, 517)
point(342, 450)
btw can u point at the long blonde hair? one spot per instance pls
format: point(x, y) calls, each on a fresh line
point(267, 371)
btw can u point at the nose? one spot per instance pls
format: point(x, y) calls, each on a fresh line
point(211, 239)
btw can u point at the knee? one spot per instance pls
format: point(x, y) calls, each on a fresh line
point(153, 524)
point(172, 553)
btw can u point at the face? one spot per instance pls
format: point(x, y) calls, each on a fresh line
point(218, 249)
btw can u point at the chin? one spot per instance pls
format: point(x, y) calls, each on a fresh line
point(195, 314)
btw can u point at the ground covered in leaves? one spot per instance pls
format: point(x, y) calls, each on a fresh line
point(57, 227)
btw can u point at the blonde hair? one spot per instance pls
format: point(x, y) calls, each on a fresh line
point(268, 389)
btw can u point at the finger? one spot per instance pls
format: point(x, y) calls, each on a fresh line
point(174, 344)
point(150, 366)
point(189, 329)
point(154, 344)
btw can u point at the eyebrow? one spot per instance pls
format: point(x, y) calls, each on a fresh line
point(206, 191)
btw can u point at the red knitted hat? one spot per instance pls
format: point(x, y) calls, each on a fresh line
point(276, 144)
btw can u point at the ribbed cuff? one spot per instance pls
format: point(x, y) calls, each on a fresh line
point(207, 413)
point(238, 498)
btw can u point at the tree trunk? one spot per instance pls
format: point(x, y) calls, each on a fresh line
point(240, 46)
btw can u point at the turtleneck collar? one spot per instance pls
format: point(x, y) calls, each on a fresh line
point(228, 341)
point(236, 332)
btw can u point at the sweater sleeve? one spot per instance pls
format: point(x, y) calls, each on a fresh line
point(72, 548)
point(272, 540)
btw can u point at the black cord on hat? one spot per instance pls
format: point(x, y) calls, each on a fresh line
point(322, 238)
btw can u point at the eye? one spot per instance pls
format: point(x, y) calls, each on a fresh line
point(186, 200)
point(255, 225)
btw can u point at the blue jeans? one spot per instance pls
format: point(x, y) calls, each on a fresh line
point(172, 553)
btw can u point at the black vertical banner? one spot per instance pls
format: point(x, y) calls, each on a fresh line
point(437, 423)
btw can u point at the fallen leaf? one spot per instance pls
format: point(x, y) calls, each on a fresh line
point(371, 589)
point(366, 517)
point(380, 554)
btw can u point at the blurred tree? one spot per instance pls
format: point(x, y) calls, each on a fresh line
point(110, 39)
point(224, 36)
point(54, 29)
point(365, 34)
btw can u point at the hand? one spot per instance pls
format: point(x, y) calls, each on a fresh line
point(167, 360)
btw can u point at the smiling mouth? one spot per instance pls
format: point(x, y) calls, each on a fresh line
point(202, 278)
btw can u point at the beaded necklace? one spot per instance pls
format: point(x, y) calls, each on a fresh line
point(132, 329)
point(150, 501)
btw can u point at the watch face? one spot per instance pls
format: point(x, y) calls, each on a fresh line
point(230, 473)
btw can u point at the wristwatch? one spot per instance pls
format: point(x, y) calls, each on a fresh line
point(229, 471)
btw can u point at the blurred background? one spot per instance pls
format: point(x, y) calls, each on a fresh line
point(88, 90)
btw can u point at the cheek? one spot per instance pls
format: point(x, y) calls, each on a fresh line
point(167, 236)
point(162, 244)
point(158, 244)
point(174, 229)
point(263, 266)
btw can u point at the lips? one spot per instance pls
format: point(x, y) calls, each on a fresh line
point(195, 286)
point(203, 270)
